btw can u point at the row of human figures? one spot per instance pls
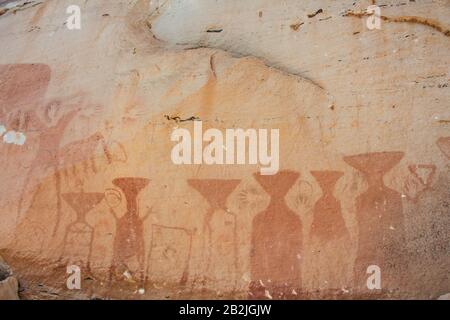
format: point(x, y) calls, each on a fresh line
point(276, 232)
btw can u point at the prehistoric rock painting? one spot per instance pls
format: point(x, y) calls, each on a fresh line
point(444, 145)
point(170, 254)
point(379, 214)
point(76, 152)
point(326, 259)
point(77, 162)
point(84, 153)
point(48, 154)
point(328, 223)
point(22, 93)
point(115, 152)
point(420, 181)
point(129, 245)
point(249, 197)
point(22, 89)
point(220, 239)
point(303, 198)
point(79, 234)
point(276, 242)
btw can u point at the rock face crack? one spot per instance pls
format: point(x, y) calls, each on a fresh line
point(214, 30)
point(19, 7)
point(189, 46)
point(178, 119)
point(312, 15)
point(406, 19)
point(296, 26)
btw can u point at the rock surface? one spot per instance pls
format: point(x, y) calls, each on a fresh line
point(9, 289)
point(444, 297)
point(9, 286)
point(86, 118)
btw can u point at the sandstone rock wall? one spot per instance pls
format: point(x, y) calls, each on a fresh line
point(363, 116)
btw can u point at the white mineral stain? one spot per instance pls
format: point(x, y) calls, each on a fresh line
point(13, 137)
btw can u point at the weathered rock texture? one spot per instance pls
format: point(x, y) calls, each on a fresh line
point(364, 148)
point(9, 286)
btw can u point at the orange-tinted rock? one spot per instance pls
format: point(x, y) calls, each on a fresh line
point(86, 118)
